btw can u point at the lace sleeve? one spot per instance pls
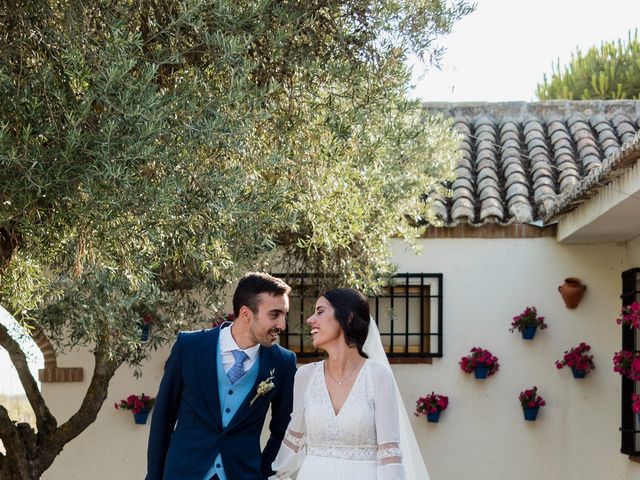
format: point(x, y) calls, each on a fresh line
point(294, 440)
point(389, 453)
point(387, 426)
point(292, 451)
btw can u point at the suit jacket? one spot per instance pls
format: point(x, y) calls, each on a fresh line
point(186, 429)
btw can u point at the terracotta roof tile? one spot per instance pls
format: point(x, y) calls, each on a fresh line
point(518, 161)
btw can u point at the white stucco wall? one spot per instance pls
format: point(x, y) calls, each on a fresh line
point(482, 436)
point(113, 447)
point(634, 252)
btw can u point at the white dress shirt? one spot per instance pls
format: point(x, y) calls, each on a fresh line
point(227, 344)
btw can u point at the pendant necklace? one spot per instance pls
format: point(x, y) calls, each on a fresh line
point(326, 369)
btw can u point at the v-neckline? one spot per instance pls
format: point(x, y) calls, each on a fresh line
point(346, 400)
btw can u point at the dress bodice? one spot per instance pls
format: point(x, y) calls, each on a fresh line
point(350, 434)
point(365, 429)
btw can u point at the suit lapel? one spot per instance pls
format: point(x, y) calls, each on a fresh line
point(265, 365)
point(207, 372)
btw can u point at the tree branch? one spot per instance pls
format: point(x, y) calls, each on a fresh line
point(16, 461)
point(45, 421)
point(8, 246)
point(51, 446)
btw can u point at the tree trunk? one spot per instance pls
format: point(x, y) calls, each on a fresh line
point(19, 441)
point(29, 454)
point(10, 471)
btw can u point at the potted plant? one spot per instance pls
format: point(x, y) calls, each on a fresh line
point(527, 322)
point(140, 406)
point(630, 315)
point(531, 403)
point(221, 318)
point(627, 364)
point(431, 406)
point(578, 359)
point(635, 404)
point(481, 362)
point(145, 327)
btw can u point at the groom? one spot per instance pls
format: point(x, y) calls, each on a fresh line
point(217, 388)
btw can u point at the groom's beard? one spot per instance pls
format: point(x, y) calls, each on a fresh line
point(267, 338)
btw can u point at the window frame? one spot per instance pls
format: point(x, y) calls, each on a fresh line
point(404, 287)
point(629, 430)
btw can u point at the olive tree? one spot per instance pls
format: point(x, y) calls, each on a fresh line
point(151, 151)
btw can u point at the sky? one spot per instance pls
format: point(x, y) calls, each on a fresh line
point(498, 53)
point(501, 51)
point(9, 381)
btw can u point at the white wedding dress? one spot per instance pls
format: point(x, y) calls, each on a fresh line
point(360, 442)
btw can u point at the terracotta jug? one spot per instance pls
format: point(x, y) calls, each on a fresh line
point(572, 291)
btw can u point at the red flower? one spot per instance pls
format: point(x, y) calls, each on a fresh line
point(635, 405)
point(530, 399)
point(136, 403)
point(221, 318)
point(577, 358)
point(630, 315)
point(479, 357)
point(528, 318)
point(432, 403)
point(627, 364)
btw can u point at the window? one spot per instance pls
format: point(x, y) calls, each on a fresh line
point(408, 312)
point(630, 429)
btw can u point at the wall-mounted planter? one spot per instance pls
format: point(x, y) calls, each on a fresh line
point(572, 291)
point(481, 362)
point(481, 371)
point(145, 330)
point(140, 418)
point(578, 373)
point(433, 417)
point(530, 413)
point(529, 332)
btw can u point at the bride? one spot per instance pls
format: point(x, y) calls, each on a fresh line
point(348, 421)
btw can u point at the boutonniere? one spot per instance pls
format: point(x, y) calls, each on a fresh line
point(264, 387)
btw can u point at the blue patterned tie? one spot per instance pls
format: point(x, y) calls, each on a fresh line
point(237, 370)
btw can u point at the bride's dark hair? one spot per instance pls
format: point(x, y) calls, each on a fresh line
point(351, 310)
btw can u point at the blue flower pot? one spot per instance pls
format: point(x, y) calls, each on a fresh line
point(144, 334)
point(576, 373)
point(141, 417)
point(530, 413)
point(529, 332)
point(433, 417)
point(481, 371)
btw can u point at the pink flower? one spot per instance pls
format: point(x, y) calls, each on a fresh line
point(479, 357)
point(627, 364)
point(530, 399)
point(635, 405)
point(432, 403)
point(577, 358)
point(630, 315)
point(136, 403)
point(528, 318)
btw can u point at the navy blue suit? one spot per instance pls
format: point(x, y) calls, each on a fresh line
point(188, 395)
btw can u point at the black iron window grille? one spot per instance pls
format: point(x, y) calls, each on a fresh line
point(630, 428)
point(408, 313)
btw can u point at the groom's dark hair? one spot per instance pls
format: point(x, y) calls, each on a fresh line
point(351, 310)
point(253, 284)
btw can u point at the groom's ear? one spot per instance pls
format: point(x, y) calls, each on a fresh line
point(245, 313)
